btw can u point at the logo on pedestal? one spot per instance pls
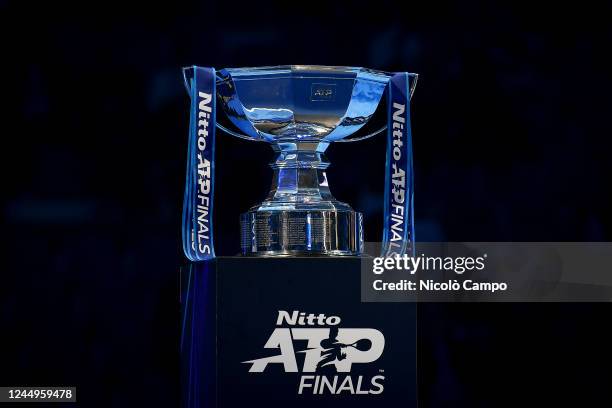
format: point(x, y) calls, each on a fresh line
point(327, 348)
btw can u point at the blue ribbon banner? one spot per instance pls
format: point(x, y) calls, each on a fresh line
point(398, 227)
point(197, 232)
point(199, 184)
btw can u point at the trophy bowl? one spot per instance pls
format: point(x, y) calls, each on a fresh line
point(300, 110)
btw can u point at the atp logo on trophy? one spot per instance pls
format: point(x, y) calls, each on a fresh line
point(327, 349)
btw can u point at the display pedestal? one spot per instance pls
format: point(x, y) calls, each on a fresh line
point(292, 332)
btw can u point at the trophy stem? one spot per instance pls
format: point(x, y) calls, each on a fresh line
point(300, 216)
point(299, 177)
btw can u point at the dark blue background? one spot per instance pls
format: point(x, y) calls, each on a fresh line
point(511, 139)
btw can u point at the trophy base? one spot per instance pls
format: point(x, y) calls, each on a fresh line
point(229, 310)
point(301, 233)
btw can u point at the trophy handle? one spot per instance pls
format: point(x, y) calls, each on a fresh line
point(236, 134)
point(413, 83)
point(374, 133)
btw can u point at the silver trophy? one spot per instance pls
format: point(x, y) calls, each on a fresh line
point(300, 110)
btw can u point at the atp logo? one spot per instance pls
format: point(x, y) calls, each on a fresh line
point(324, 348)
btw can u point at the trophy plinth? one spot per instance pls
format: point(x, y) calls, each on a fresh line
point(295, 233)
